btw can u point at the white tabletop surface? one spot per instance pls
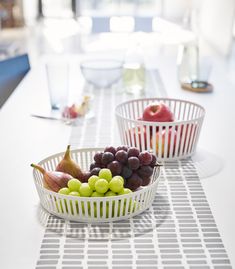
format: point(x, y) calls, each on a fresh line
point(24, 139)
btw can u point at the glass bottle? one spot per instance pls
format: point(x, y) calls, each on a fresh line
point(134, 71)
point(188, 63)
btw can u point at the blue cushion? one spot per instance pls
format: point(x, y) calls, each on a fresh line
point(12, 71)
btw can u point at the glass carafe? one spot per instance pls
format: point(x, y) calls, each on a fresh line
point(134, 71)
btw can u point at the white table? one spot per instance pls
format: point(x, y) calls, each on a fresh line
point(24, 139)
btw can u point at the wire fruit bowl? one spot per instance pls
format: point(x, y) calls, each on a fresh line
point(92, 209)
point(167, 140)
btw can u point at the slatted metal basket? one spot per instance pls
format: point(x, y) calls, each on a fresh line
point(167, 140)
point(92, 209)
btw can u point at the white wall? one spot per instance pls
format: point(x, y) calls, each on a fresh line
point(30, 11)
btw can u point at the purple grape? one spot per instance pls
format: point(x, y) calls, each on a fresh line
point(121, 156)
point(134, 182)
point(95, 171)
point(110, 149)
point(133, 152)
point(146, 181)
point(85, 176)
point(125, 148)
point(154, 160)
point(107, 158)
point(94, 165)
point(145, 171)
point(98, 157)
point(126, 172)
point(133, 163)
point(115, 167)
point(145, 158)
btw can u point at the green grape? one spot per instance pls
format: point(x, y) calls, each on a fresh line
point(91, 181)
point(116, 184)
point(101, 211)
point(94, 210)
point(97, 194)
point(64, 191)
point(124, 191)
point(61, 205)
point(74, 184)
point(101, 185)
point(71, 206)
point(110, 193)
point(132, 206)
point(82, 207)
point(106, 211)
point(119, 213)
point(119, 177)
point(85, 190)
point(106, 174)
point(74, 193)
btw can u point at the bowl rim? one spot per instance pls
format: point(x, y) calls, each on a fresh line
point(118, 62)
point(155, 123)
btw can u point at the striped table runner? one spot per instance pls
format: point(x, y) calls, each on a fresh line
point(178, 231)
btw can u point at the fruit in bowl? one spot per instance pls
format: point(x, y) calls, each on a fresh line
point(171, 140)
point(158, 112)
point(137, 136)
point(67, 165)
point(116, 171)
point(126, 162)
point(190, 131)
point(113, 165)
point(53, 180)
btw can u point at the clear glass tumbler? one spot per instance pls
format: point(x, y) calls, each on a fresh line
point(58, 83)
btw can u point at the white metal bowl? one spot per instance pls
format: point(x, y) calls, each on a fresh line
point(92, 209)
point(167, 140)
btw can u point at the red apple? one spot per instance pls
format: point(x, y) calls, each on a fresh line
point(162, 146)
point(158, 112)
point(137, 136)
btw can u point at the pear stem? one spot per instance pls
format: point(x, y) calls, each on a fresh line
point(41, 169)
point(67, 153)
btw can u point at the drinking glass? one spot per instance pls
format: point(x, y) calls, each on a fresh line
point(58, 83)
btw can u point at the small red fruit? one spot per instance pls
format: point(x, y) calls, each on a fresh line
point(158, 112)
point(162, 145)
point(70, 112)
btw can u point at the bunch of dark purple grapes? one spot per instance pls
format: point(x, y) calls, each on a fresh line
point(134, 166)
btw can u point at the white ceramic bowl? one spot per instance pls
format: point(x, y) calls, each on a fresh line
point(92, 209)
point(101, 73)
point(167, 140)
